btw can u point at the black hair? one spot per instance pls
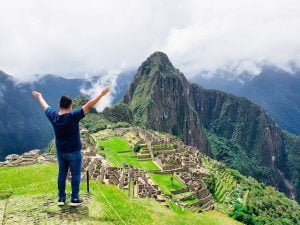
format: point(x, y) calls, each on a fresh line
point(65, 102)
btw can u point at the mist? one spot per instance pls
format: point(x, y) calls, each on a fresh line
point(106, 80)
point(73, 38)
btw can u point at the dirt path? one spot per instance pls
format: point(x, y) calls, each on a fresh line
point(44, 210)
point(3, 205)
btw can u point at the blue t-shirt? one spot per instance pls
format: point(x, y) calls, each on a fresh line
point(66, 128)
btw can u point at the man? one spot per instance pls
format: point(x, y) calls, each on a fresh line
point(67, 139)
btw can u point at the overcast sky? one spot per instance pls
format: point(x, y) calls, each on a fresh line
point(74, 37)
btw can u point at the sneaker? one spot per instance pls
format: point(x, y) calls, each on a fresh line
point(61, 202)
point(76, 202)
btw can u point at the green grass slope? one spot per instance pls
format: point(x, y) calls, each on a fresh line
point(28, 196)
point(118, 151)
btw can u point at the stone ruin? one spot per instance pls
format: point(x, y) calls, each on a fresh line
point(28, 158)
point(127, 178)
point(196, 185)
point(184, 161)
point(183, 157)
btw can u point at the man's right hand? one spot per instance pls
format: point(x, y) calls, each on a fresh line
point(86, 108)
point(105, 91)
point(36, 94)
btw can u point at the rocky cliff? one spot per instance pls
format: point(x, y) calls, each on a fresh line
point(276, 90)
point(159, 98)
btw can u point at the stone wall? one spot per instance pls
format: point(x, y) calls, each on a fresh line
point(99, 169)
point(28, 158)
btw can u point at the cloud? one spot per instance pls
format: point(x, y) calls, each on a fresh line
point(106, 80)
point(237, 36)
point(71, 38)
point(2, 91)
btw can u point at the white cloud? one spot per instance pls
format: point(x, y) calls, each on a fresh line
point(106, 80)
point(237, 36)
point(74, 37)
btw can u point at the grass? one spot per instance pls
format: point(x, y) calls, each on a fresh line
point(24, 180)
point(182, 195)
point(165, 184)
point(190, 201)
point(107, 204)
point(29, 180)
point(119, 152)
point(148, 211)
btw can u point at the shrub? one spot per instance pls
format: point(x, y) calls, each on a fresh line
point(118, 113)
point(244, 214)
point(137, 148)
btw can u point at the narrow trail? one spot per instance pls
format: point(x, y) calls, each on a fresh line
point(289, 185)
point(4, 212)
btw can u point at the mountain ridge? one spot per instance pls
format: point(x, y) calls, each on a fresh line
point(276, 90)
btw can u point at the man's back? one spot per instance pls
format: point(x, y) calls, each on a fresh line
point(68, 144)
point(66, 128)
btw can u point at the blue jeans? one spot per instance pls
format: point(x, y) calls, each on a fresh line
point(73, 161)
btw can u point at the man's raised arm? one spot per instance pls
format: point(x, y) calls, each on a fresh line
point(41, 100)
point(87, 107)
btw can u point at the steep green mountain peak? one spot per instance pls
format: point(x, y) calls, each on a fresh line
point(158, 62)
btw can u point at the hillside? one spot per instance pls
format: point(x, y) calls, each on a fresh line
point(28, 192)
point(28, 195)
point(33, 200)
point(241, 197)
point(229, 128)
point(277, 91)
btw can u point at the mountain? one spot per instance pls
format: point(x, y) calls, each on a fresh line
point(159, 98)
point(229, 128)
point(18, 127)
point(275, 90)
